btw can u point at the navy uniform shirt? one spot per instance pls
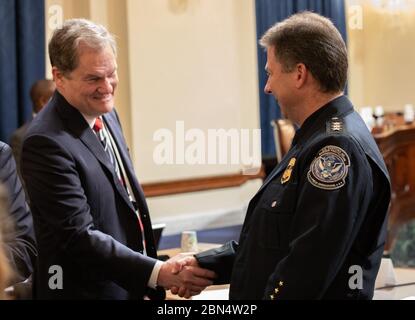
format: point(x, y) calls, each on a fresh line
point(317, 227)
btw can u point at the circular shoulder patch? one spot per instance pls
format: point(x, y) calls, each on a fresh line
point(329, 169)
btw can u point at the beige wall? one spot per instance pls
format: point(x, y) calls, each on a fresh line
point(382, 54)
point(181, 60)
point(195, 63)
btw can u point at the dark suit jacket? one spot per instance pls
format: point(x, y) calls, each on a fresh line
point(315, 223)
point(16, 142)
point(22, 247)
point(84, 221)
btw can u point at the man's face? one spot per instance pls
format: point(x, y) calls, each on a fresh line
point(90, 87)
point(280, 84)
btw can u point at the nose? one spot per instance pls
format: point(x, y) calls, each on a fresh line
point(267, 89)
point(106, 87)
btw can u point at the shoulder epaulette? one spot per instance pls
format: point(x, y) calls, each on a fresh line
point(335, 125)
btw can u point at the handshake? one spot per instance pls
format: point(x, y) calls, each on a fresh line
point(183, 276)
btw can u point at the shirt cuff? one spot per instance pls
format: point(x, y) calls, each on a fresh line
point(152, 282)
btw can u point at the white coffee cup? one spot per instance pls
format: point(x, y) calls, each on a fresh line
point(386, 275)
point(189, 241)
point(367, 115)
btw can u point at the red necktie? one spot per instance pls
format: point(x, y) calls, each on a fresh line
point(98, 126)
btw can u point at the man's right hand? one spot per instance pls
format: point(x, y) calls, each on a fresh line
point(184, 273)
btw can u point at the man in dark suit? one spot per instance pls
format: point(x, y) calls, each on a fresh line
point(316, 228)
point(40, 94)
point(92, 223)
point(21, 245)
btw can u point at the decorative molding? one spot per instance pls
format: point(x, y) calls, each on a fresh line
point(397, 145)
point(199, 184)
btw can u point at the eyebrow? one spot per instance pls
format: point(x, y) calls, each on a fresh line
point(99, 76)
point(90, 76)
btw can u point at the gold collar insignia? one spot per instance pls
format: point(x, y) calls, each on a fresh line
point(287, 173)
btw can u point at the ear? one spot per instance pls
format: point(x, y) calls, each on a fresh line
point(58, 77)
point(301, 75)
point(43, 100)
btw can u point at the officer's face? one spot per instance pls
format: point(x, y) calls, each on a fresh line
point(280, 84)
point(90, 87)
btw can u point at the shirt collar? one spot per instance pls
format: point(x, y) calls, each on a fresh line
point(90, 120)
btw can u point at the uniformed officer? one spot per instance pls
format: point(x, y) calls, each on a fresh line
point(316, 228)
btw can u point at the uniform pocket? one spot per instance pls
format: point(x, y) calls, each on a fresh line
point(274, 229)
point(274, 214)
point(278, 198)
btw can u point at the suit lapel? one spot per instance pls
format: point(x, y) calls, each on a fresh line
point(115, 130)
point(117, 136)
point(77, 124)
point(90, 140)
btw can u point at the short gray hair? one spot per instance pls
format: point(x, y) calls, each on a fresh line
point(313, 40)
point(65, 42)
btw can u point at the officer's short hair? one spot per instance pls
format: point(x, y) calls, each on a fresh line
point(65, 42)
point(313, 40)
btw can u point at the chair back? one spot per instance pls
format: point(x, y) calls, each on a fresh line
point(284, 131)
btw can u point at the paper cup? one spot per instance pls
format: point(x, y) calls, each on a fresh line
point(189, 241)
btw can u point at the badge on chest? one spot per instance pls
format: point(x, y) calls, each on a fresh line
point(286, 176)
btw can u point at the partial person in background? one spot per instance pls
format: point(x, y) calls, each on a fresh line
point(90, 214)
point(40, 93)
point(21, 248)
point(317, 227)
point(5, 225)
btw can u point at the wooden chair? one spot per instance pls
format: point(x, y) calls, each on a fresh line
point(284, 131)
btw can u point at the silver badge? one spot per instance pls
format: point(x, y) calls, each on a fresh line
point(329, 169)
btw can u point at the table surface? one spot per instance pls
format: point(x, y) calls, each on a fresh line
point(403, 276)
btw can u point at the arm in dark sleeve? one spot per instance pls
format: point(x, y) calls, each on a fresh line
point(56, 192)
point(220, 260)
point(324, 226)
point(16, 141)
point(22, 245)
